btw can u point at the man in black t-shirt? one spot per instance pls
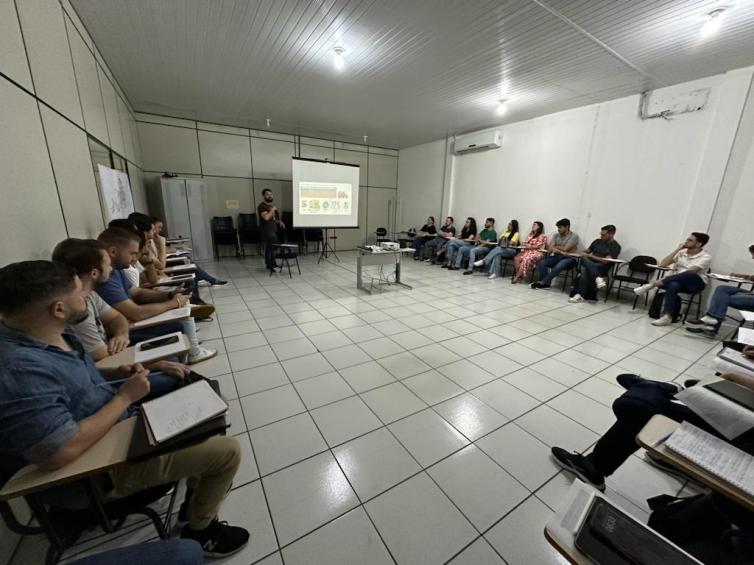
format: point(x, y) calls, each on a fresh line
point(594, 266)
point(269, 222)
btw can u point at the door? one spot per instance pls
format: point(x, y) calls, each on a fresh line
point(201, 237)
point(176, 207)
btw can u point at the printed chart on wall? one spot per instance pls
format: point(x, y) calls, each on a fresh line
point(325, 198)
point(116, 193)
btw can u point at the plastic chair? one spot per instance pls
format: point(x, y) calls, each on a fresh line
point(638, 274)
point(249, 232)
point(223, 233)
point(284, 252)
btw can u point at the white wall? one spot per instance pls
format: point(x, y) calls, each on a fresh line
point(238, 163)
point(55, 93)
point(654, 179)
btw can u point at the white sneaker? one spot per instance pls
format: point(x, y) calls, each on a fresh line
point(643, 289)
point(203, 355)
point(601, 283)
point(479, 263)
point(710, 321)
point(492, 276)
point(204, 283)
point(665, 320)
point(576, 298)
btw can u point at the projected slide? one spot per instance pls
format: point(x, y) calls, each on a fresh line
point(325, 198)
point(325, 194)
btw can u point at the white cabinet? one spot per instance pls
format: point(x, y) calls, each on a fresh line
point(184, 205)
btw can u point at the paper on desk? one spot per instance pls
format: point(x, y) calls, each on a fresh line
point(715, 455)
point(745, 335)
point(727, 417)
point(737, 358)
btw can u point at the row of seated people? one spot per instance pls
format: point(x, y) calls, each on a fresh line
point(58, 317)
point(687, 265)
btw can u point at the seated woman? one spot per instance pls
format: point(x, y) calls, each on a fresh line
point(427, 232)
point(525, 261)
point(468, 234)
point(506, 249)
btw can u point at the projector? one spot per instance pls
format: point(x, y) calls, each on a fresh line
point(390, 246)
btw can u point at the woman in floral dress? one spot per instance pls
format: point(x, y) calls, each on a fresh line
point(525, 261)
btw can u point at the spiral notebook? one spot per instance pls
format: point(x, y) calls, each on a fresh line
point(714, 455)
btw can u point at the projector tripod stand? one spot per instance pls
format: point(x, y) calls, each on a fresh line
point(327, 249)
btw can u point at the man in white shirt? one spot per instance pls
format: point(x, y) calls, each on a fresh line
point(688, 264)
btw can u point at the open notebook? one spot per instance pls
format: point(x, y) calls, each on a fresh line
point(715, 455)
point(170, 415)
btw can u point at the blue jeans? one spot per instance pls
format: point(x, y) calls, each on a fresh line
point(590, 270)
point(462, 251)
point(729, 296)
point(173, 551)
point(450, 250)
point(476, 253)
point(417, 244)
point(433, 246)
point(495, 257)
point(202, 275)
point(688, 282)
point(555, 264)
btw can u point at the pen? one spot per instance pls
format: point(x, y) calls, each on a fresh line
point(662, 440)
point(117, 381)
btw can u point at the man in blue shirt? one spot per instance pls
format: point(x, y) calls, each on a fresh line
point(54, 404)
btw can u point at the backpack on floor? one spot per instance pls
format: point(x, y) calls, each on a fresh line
point(655, 307)
point(699, 526)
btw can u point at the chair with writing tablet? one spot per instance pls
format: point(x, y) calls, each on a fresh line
point(637, 273)
point(223, 233)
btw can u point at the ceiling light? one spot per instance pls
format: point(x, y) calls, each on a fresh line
point(712, 22)
point(339, 59)
point(502, 108)
point(268, 121)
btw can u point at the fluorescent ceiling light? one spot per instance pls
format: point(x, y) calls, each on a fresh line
point(502, 108)
point(339, 59)
point(712, 22)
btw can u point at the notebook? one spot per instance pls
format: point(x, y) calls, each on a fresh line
point(179, 411)
point(739, 394)
point(714, 455)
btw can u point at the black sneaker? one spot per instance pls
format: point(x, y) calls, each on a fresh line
point(579, 465)
point(218, 539)
point(688, 383)
point(627, 380)
point(706, 331)
point(219, 283)
point(468, 272)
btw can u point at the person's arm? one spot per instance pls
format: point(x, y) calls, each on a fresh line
point(149, 295)
point(177, 370)
point(161, 245)
point(670, 259)
point(92, 428)
point(116, 327)
point(268, 215)
point(136, 312)
point(571, 246)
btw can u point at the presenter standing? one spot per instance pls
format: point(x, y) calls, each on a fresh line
point(269, 222)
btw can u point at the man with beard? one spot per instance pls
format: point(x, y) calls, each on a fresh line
point(55, 404)
point(269, 222)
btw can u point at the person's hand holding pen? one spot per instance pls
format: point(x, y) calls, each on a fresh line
point(136, 386)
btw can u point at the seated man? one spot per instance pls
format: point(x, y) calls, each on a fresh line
point(593, 265)
point(54, 405)
point(104, 331)
point(724, 297)
point(561, 242)
point(506, 247)
point(437, 243)
point(427, 232)
point(140, 303)
point(688, 264)
point(633, 409)
point(482, 243)
point(467, 235)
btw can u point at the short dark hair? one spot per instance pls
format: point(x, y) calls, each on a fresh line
point(564, 223)
point(118, 237)
point(265, 190)
point(130, 227)
point(452, 220)
point(81, 255)
point(701, 237)
point(751, 249)
point(27, 283)
point(609, 227)
point(491, 220)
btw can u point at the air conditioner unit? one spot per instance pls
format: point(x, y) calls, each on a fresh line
point(477, 141)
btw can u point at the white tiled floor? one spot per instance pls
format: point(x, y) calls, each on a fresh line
point(414, 426)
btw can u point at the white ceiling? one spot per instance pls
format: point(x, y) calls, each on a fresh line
point(416, 70)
